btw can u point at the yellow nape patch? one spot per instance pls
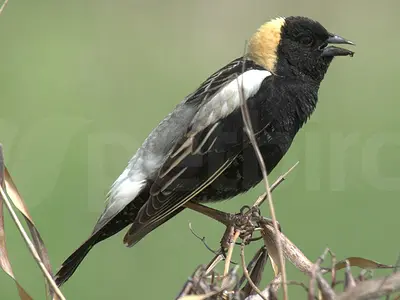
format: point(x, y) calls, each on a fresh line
point(264, 43)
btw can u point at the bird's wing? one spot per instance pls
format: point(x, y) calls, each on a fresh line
point(190, 168)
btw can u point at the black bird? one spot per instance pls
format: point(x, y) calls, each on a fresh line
point(200, 153)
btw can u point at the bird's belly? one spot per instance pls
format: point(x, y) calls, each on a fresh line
point(244, 173)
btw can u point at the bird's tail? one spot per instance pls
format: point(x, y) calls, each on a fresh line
point(73, 261)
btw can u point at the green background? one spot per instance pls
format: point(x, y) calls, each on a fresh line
point(82, 83)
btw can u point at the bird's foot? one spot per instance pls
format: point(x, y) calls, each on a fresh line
point(246, 221)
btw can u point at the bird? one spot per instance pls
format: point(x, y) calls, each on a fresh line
point(200, 153)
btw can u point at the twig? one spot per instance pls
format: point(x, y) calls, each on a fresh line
point(230, 251)
point(314, 271)
point(202, 239)
point(349, 281)
point(325, 289)
point(214, 262)
point(30, 245)
point(247, 275)
point(277, 182)
point(280, 179)
point(262, 253)
point(270, 291)
point(250, 132)
point(333, 263)
point(3, 6)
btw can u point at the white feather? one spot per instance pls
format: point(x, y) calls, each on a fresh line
point(228, 99)
point(224, 109)
point(124, 190)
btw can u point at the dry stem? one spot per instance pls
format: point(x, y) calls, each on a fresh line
point(247, 275)
point(250, 132)
point(30, 245)
point(373, 289)
point(3, 6)
point(230, 251)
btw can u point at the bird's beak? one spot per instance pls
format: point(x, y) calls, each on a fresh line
point(336, 51)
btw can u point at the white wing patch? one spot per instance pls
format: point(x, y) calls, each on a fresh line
point(228, 98)
point(126, 188)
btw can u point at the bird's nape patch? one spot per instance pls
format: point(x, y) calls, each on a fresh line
point(264, 43)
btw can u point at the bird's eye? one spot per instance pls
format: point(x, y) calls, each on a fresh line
point(307, 40)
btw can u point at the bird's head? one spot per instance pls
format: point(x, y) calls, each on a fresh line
point(296, 46)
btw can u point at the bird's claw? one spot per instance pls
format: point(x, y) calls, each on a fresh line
point(245, 221)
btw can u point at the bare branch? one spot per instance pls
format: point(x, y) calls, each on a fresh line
point(277, 182)
point(282, 178)
point(202, 239)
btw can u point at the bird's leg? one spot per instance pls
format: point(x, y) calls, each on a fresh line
point(245, 221)
point(227, 237)
point(220, 216)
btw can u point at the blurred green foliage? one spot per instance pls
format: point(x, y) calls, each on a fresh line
point(82, 83)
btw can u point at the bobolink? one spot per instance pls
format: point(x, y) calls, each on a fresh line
point(200, 153)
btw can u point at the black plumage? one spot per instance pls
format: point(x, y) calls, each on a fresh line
point(200, 152)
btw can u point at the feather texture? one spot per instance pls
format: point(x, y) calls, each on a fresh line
point(181, 177)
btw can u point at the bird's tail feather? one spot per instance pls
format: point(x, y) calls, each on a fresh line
point(73, 261)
